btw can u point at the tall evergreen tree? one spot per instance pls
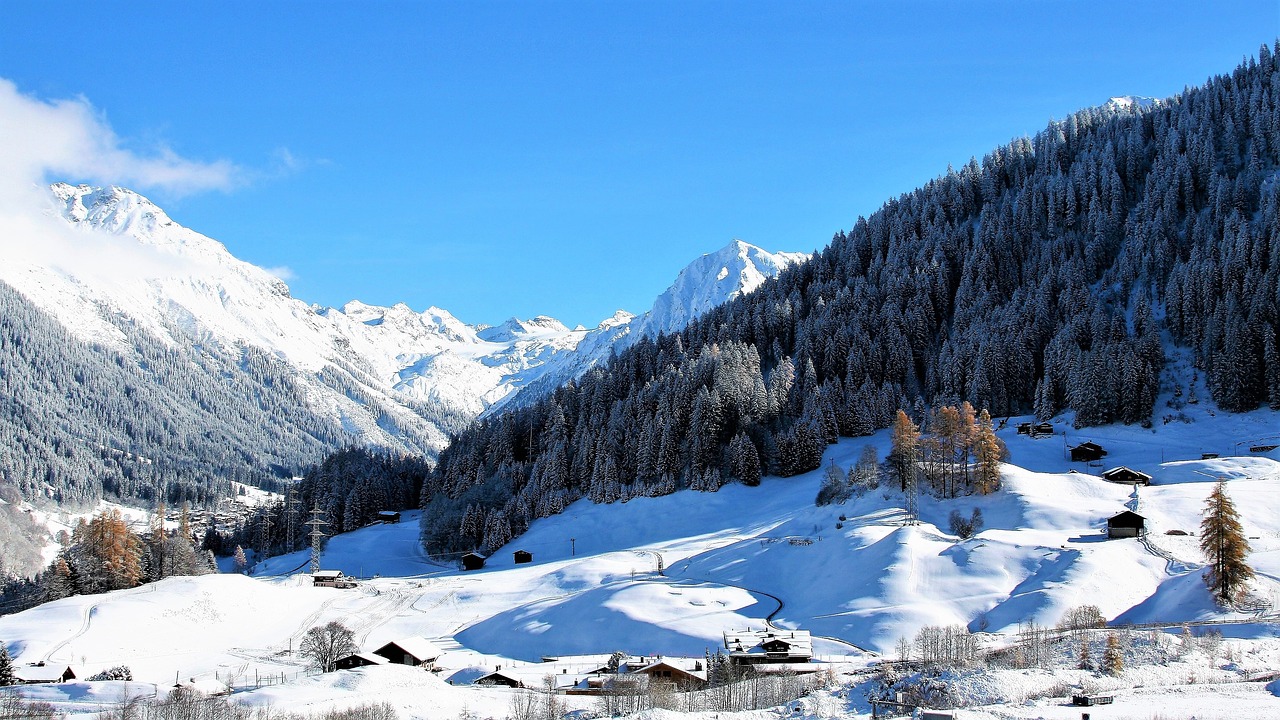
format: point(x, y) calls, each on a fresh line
point(7, 677)
point(1224, 544)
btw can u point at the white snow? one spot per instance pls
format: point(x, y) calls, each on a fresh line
point(729, 558)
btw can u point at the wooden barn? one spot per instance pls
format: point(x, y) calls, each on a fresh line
point(388, 516)
point(1087, 452)
point(351, 662)
point(1126, 525)
point(472, 561)
point(523, 556)
point(416, 651)
point(751, 647)
point(498, 677)
point(1130, 476)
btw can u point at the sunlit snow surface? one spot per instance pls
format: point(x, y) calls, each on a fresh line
point(592, 587)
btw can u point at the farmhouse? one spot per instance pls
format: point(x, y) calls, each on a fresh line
point(41, 673)
point(751, 647)
point(332, 578)
point(389, 516)
point(472, 561)
point(416, 651)
point(1087, 452)
point(1123, 474)
point(1126, 525)
point(523, 556)
point(351, 662)
point(683, 673)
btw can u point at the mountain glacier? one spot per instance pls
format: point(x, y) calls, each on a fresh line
point(387, 376)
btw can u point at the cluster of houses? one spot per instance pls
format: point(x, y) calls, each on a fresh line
point(763, 651)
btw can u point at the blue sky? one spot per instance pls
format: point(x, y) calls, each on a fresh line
point(568, 158)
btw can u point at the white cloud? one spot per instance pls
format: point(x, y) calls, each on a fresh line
point(41, 141)
point(281, 272)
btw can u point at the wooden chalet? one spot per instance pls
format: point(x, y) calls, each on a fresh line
point(41, 673)
point(415, 651)
point(1035, 429)
point(357, 660)
point(682, 673)
point(1087, 452)
point(752, 647)
point(523, 556)
point(388, 516)
point(1130, 476)
point(1126, 525)
point(473, 561)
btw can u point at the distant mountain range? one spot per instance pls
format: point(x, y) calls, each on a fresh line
point(134, 282)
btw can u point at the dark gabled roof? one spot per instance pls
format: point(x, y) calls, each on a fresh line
point(1128, 517)
point(1123, 471)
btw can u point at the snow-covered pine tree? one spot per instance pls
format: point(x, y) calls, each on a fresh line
point(7, 677)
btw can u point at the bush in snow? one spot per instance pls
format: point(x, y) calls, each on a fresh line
point(119, 672)
point(963, 527)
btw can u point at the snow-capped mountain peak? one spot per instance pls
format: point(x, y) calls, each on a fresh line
point(369, 369)
point(712, 280)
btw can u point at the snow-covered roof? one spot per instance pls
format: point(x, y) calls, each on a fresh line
point(687, 665)
point(369, 658)
point(1123, 471)
point(204, 686)
point(43, 673)
point(327, 574)
point(419, 647)
point(751, 642)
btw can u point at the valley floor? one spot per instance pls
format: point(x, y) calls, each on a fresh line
point(855, 575)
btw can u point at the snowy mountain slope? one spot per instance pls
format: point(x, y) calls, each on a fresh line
point(386, 376)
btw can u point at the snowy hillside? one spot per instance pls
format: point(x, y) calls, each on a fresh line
point(738, 558)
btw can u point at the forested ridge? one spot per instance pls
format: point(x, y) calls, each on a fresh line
point(1039, 279)
point(169, 422)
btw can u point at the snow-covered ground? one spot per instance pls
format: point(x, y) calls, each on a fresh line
point(732, 559)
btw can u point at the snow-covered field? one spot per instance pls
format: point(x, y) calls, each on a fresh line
point(732, 559)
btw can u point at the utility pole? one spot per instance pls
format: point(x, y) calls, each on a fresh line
point(291, 503)
point(572, 548)
point(317, 536)
point(913, 499)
